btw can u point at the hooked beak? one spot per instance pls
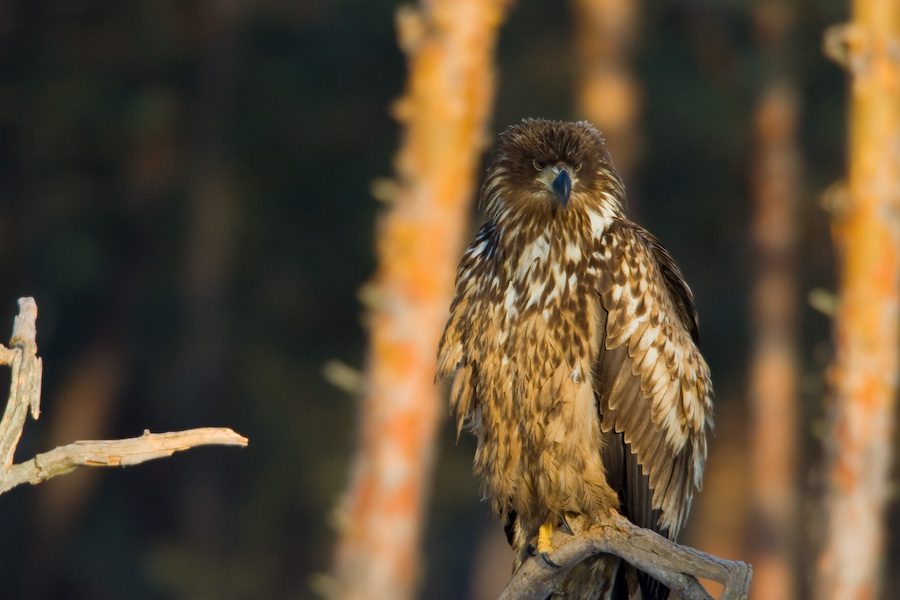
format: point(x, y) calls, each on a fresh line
point(562, 186)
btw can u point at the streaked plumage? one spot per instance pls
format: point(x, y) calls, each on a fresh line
point(573, 340)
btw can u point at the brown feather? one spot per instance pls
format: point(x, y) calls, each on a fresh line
point(572, 336)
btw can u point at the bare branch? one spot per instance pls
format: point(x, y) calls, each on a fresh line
point(25, 383)
point(675, 566)
point(115, 453)
point(25, 394)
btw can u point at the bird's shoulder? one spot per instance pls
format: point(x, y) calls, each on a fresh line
point(636, 262)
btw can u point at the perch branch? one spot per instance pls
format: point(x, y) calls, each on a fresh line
point(25, 396)
point(115, 453)
point(675, 566)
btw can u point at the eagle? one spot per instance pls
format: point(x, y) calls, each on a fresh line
point(573, 343)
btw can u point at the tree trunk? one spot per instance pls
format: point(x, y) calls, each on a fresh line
point(450, 46)
point(607, 92)
point(773, 376)
point(866, 231)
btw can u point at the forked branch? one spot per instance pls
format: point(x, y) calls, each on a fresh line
point(25, 397)
point(676, 566)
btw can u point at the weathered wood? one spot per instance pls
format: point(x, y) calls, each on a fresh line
point(25, 396)
point(115, 453)
point(678, 567)
point(25, 383)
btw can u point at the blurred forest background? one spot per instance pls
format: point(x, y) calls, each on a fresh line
point(185, 190)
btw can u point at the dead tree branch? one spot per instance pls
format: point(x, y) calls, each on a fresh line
point(25, 383)
point(25, 396)
point(678, 567)
point(115, 453)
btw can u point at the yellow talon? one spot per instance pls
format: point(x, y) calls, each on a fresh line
point(543, 545)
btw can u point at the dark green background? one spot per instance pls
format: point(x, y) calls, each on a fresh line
point(115, 116)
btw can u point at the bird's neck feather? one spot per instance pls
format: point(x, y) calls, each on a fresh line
point(567, 229)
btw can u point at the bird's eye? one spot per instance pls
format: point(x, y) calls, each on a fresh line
point(538, 164)
point(578, 166)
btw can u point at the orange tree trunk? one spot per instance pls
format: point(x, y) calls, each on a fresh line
point(607, 92)
point(774, 378)
point(450, 48)
point(774, 366)
point(866, 233)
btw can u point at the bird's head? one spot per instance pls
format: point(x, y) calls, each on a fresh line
point(549, 167)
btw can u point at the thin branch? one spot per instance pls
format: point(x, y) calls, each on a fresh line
point(675, 566)
point(25, 383)
point(115, 453)
point(25, 395)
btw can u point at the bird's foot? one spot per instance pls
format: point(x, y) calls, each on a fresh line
point(543, 545)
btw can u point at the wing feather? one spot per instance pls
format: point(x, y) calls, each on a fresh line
point(652, 385)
